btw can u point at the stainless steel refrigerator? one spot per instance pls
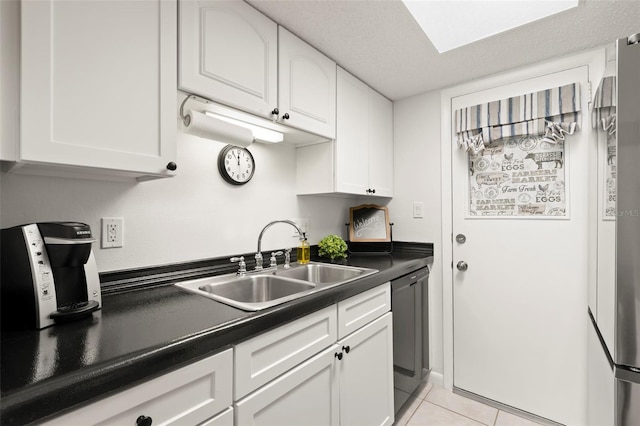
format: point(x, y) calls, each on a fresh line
point(614, 311)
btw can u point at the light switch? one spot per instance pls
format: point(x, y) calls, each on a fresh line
point(418, 209)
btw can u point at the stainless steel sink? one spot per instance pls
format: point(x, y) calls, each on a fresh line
point(269, 287)
point(251, 292)
point(321, 273)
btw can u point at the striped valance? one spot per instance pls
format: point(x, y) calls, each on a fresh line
point(604, 105)
point(553, 113)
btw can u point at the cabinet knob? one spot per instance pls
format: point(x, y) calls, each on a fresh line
point(144, 421)
point(275, 111)
point(285, 116)
point(346, 348)
point(338, 355)
point(373, 191)
point(172, 166)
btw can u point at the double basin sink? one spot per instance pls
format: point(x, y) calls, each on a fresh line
point(263, 289)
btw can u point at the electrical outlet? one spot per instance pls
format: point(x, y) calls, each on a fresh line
point(418, 209)
point(303, 224)
point(112, 232)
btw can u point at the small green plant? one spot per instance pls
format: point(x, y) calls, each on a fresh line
point(332, 247)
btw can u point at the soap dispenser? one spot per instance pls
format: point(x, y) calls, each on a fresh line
point(304, 251)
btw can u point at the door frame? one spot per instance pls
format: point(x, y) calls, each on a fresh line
point(595, 60)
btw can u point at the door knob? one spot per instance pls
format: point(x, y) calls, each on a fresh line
point(462, 266)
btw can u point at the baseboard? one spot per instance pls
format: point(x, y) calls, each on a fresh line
point(486, 401)
point(436, 378)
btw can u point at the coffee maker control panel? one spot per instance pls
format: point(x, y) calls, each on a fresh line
point(42, 275)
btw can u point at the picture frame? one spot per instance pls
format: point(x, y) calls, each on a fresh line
point(369, 223)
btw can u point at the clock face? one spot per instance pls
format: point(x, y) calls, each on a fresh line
point(236, 165)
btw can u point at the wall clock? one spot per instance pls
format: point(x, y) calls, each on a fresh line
point(236, 165)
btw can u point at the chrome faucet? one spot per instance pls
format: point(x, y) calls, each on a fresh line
point(258, 255)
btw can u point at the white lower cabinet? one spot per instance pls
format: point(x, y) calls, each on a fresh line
point(306, 372)
point(306, 395)
point(223, 419)
point(349, 383)
point(366, 375)
point(199, 393)
point(270, 354)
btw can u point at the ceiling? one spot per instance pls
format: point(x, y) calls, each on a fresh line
point(381, 43)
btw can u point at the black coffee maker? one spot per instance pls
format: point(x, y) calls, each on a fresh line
point(48, 273)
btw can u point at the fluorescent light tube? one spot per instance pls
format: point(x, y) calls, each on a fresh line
point(261, 134)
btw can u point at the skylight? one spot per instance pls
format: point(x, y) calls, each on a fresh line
point(453, 23)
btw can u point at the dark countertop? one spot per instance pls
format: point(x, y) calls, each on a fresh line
point(140, 334)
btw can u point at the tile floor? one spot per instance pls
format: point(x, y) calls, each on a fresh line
point(433, 405)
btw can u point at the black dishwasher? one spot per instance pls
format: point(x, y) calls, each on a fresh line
point(410, 333)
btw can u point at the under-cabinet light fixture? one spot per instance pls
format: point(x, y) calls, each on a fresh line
point(454, 23)
point(261, 134)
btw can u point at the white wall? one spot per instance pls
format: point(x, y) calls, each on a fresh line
point(195, 215)
point(417, 178)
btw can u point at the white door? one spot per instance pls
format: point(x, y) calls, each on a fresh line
point(520, 307)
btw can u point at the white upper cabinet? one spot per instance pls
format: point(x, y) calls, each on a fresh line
point(352, 142)
point(234, 55)
point(98, 87)
point(229, 53)
point(307, 86)
point(360, 160)
point(380, 144)
point(364, 139)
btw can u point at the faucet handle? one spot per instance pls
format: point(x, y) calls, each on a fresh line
point(287, 258)
point(242, 266)
point(273, 261)
point(258, 257)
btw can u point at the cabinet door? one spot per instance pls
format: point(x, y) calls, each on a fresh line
point(187, 396)
point(363, 308)
point(223, 419)
point(352, 135)
point(306, 86)
point(229, 53)
point(380, 144)
point(306, 395)
point(270, 354)
point(366, 375)
point(98, 84)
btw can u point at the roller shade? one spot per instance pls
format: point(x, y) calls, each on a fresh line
point(551, 113)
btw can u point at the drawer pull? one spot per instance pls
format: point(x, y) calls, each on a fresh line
point(346, 348)
point(338, 355)
point(144, 421)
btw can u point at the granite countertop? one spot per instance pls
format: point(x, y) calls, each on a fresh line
point(142, 333)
